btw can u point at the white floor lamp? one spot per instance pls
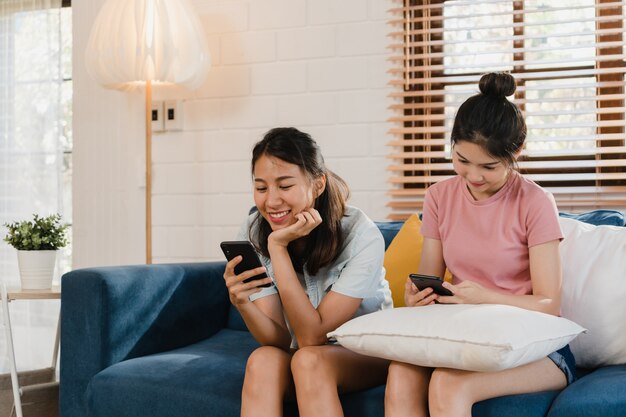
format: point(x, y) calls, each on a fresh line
point(136, 43)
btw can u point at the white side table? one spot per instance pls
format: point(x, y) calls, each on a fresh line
point(11, 294)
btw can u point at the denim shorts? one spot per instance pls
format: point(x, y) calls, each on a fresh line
point(564, 359)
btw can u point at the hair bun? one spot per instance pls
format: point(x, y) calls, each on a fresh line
point(497, 84)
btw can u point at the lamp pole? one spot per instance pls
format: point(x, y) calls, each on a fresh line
point(148, 172)
point(164, 43)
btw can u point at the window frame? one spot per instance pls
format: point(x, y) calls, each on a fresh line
point(420, 152)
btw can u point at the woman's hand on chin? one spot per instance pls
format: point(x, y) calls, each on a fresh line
point(306, 221)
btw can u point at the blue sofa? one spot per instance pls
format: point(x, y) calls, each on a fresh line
point(163, 341)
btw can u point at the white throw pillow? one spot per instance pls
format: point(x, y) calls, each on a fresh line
point(485, 337)
point(594, 290)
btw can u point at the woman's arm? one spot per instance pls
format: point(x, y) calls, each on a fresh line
point(309, 325)
point(431, 263)
point(545, 272)
point(263, 317)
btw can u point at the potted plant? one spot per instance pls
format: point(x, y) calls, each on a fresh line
point(37, 243)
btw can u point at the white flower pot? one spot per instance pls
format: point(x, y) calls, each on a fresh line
point(36, 268)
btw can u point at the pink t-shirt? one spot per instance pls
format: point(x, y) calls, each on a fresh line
point(487, 241)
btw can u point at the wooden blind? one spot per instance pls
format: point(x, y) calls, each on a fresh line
point(568, 59)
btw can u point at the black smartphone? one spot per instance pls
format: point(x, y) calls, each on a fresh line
point(430, 281)
point(250, 259)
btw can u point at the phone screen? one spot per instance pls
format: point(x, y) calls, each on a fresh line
point(250, 257)
point(429, 281)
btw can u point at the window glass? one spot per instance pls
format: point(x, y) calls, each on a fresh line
point(561, 118)
point(553, 40)
point(475, 41)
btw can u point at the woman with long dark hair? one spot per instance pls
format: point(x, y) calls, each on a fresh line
point(325, 265)
point(498, 234)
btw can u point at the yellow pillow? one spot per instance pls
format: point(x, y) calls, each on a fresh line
point(403, 258)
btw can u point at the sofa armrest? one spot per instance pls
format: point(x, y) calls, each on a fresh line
point(111, 314)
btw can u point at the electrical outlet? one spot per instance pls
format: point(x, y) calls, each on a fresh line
point(174, 115)
point(157, 116)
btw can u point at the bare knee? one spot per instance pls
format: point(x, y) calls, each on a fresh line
point(263, 360)
point(405, 381)
point(443, 382)
point(309, 367)
point(264, 366)
point(402, 378)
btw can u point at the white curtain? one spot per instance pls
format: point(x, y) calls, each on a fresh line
point(32, 145)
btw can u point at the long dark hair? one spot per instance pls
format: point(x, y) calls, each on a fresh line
point(324, 243)
point(490, 120)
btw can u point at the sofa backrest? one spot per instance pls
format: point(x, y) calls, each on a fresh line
point(595, 217)
point(599, 217)
point(389, 230)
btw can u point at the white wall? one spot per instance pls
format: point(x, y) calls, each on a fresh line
point(319, 65)
point(108, 203)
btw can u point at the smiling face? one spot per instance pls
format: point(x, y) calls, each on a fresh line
point(484, 175)
point(282, 190)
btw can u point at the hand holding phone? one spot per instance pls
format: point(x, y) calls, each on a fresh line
point(250, 257)
point(429, 281)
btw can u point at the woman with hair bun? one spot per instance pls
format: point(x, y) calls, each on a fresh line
point(325, 262)
point(498, 234)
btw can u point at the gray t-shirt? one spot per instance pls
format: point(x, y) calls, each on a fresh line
point(357, 272)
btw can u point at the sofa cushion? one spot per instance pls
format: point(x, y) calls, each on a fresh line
point(599, 217)
point(523, 405)
point(204, 378)
point(402, 257)
point(486, 337)
point(389, 230)
point(235, 321)
point(594, 290)
point(602, 393)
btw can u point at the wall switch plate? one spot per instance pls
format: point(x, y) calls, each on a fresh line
point(173, 115)
point(158, 124)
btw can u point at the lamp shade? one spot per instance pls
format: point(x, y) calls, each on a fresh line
point(134, 41)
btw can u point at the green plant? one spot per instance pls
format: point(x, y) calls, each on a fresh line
point(43, 233)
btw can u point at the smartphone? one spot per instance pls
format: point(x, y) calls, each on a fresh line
point(250, 259)
point(430, 281)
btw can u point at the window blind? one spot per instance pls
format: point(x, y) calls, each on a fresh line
point(568, 60)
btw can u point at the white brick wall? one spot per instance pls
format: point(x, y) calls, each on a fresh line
point(306, 43)
point(248, 47)
point(277, 14)
point(279, 78)
point(321, 12)
point(338, 74)
point(319, 65)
